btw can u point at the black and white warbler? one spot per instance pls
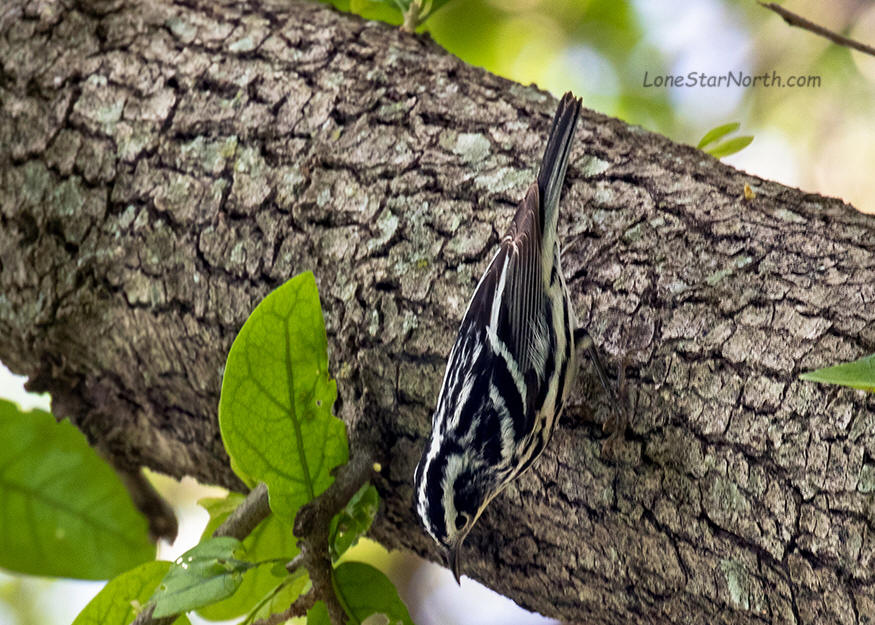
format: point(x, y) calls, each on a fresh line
point(512, 366)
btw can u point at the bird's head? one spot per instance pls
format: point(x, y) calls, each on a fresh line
point(452, 489)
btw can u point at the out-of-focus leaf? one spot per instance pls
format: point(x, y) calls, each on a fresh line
point(718, 133)
point(205, 574)
point(432, 9)
point(318, 614)
point(730, 147)
point(363, 591)
point(275, 408)
point(117, 602)
point(63, 510)
point(858, 374)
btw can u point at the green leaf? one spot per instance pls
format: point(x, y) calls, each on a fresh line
point(270, 540)
point(360, 7)
point(281, 597)
point(354, 520)
point(205, 574)
point(858, 374)
point(363, 591)
point(435, 5)
point(318, 614)
point(275, 408)
point(730, 147)
point(117, 603)
point(64, 511)
point(718, 133)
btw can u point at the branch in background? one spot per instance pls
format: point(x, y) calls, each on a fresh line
point(246, 517)
point(313, 525)
point(411, 17)
point(797, 20)
point(159, 513)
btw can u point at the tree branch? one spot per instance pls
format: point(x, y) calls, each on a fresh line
point(162, 519)
point(246, 517)
point(794, 19)
point(313, 527)
point(164, 165)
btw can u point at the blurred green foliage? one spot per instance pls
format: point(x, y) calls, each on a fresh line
point(723, 148)
point(119, 601)
point(65, 512)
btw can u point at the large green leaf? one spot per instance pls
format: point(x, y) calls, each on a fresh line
point(117, 602)
point(857, 374)
point(209, 572)
point(363, 591)
point(63, 510)
point(354, 520)
point(275, 408)
point(271, 540)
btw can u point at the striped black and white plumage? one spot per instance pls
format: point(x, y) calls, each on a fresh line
point(512, 365)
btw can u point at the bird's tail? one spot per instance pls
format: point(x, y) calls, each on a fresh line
point(551, 176)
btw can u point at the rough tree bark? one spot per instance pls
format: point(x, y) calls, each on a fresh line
point(164, 165)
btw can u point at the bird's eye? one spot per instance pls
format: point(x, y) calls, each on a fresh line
point(461, 520)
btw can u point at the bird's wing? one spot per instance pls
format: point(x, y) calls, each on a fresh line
point(509, 301)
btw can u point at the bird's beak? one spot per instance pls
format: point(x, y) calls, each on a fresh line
point(454, 561)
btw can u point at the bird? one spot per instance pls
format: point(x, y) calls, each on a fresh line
point(512, 366)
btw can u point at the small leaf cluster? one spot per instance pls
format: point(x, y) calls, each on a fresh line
point(275, 416)
point(723, 148)
point(411, 14)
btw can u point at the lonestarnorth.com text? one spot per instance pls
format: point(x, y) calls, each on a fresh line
point(730, 79)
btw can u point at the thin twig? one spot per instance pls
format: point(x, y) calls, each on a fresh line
point(246, 517)
point(295, 563)
point(312, 525)
point(797, 20)
point(411, 17)
point(298, 608)
point(145, 617)
point(159, 514)
point(348, 478)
